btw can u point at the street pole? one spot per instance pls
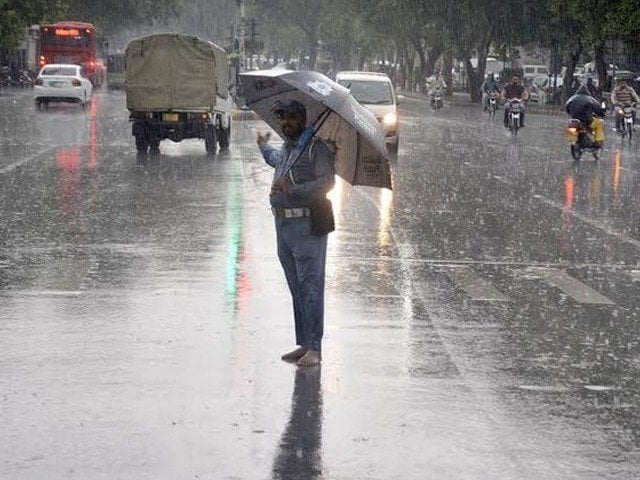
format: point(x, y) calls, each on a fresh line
point(242, 34)
point(613, 63)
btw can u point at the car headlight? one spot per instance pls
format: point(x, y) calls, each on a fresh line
point(390, 119)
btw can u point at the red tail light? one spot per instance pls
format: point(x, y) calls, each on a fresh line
point(39, 82)
point(75, 82)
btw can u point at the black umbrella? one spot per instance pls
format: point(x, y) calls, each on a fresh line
point(338, 118)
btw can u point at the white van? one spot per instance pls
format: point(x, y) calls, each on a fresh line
point(535, 70)
point(375, 91)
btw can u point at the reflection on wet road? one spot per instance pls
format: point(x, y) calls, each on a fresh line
point(299, 454)
point(482, 318)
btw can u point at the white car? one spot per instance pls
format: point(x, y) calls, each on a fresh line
point(375, 91)
point(62, 83)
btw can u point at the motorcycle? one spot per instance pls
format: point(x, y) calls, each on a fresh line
point(581, 138)
point(436, 99)
point(626, 121)
point(515, 110)
point(5, 76)
point(493, 103)
point(25, 79)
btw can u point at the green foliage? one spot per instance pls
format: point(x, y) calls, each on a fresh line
point(106, 15)
point(17, 15)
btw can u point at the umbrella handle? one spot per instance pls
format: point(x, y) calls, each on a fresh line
point(321, 119)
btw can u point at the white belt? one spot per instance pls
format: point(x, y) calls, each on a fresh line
point(291, 212)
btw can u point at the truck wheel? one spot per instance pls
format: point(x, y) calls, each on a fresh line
point(210, 139)
point(141, 143)
point(223, 138)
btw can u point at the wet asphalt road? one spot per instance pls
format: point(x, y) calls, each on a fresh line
point(482, 319)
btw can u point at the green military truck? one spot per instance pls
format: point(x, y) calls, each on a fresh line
point(177, 88)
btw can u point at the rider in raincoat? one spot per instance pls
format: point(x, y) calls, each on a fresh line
point(586, 108)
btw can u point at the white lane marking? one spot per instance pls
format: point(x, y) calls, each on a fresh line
point(598, 388)
point(479, 289)
point(444, 262)
point(27, 159)
point(594, 223)
point(48, 293)
point(569, 285)
point(544, 388)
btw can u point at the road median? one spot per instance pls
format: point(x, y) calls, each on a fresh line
point(461, 99)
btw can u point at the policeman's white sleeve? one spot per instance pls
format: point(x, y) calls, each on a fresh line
point(270, 155)
point(323, 160)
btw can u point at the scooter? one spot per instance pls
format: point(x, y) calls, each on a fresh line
point(581, 139)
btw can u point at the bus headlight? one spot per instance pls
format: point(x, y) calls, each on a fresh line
point(390, 119)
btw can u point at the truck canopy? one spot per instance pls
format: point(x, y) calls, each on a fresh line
point(170, 71)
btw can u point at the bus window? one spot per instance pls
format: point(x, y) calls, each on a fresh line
point(52, 40)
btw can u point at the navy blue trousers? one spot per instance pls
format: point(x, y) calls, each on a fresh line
point(303, 257)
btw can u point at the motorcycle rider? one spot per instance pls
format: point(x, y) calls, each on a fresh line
point(488, 86)
point(437, 84)
point(623, 96)
point(593, 90)
point(514, 90)
point(584, 107)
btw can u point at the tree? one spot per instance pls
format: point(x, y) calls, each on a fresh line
point(17, 15)
point(113, 15)
point(302, 14)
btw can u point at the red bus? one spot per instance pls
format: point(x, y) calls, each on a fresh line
point(71, 42)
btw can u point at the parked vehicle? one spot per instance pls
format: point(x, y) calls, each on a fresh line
point(544, 87)
point(581, 139)
point(5, 76)
point(116, 66)
point(62, 83)
point(375, 91)
point(535, 70)
point(177, 88)
point(25, 80)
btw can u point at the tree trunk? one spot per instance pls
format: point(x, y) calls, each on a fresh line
point(601, 66)
point(409, 62)
point(447, 63)
point(472, 78)
point(422, 57)
point(432, 58)
point(476, 76)
point(362, 56)
point(573, 56)
point(312, 45)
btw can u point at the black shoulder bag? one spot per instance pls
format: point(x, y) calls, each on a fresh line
point(322, 220)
